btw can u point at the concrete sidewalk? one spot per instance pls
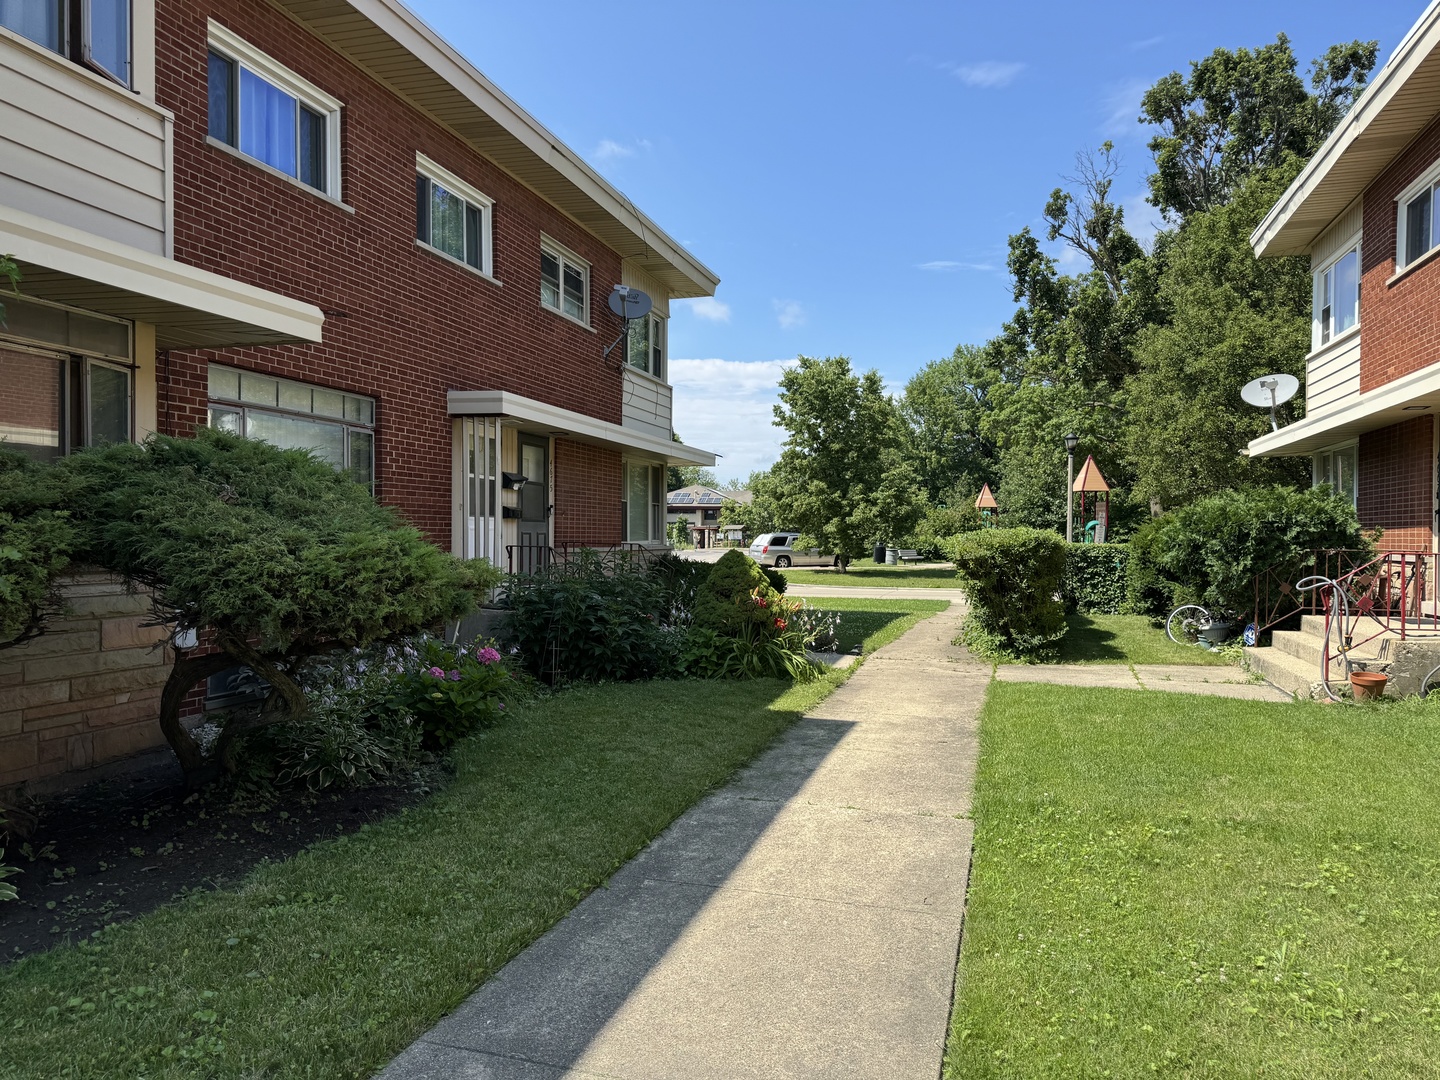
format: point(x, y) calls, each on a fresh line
point(1216, 681)
point(801, 922)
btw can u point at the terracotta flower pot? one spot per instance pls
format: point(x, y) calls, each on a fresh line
point(1368, 685)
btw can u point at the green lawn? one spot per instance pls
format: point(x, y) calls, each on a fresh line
point(1184, 886)
point(330, 963)
point(871, 575)
point(1127, 639)
point(873, 623)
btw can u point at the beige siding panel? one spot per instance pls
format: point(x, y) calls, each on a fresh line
point(1332, 378)
point(646, 406)
point(77, 150)
point(636, 278)
point(1343, 229)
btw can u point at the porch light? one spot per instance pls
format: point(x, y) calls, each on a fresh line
point(1071, 441)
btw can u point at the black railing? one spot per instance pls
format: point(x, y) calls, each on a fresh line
point(533, 558)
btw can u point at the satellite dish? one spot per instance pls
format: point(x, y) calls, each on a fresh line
point(629, 303)
point(1270, 392)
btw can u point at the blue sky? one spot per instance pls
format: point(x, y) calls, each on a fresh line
point(852, 170)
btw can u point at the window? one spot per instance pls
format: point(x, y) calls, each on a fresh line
point(95, 33)
point(451, 216)
point(564, 282)
point(647, 345)
point(69, 379)
point(338, 427)
point(1337, 467)
point(271, 114)
point(643, 498)
point(1337, 296)
point(1416, 234)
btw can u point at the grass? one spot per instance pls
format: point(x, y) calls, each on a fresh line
point(873, 623)
point(1127, 639)
point(1183, 886)
point(330, 963)
point(871, 575)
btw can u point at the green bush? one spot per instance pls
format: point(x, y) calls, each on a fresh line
point(7, 891)
point(744, 627)
point(1148, 591)
point(939, 526)
point(1012, 579)
point(1212, 550)
point(776, 579)
point(594, 619)
point(36, 541)
point(1095, 578)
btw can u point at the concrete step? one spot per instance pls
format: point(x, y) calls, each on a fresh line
point(1309, 647)
point(1289, 673)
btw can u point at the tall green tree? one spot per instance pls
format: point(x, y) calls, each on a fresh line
point(943, 407)
point(1244, 111)
point(841, 479)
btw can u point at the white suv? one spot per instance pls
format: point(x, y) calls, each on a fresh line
point(777, 550)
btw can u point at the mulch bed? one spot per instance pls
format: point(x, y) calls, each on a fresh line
point(125, 845)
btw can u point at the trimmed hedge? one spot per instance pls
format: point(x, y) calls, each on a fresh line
point(1012, 578)
point(1211, 550)
point(1095, 578)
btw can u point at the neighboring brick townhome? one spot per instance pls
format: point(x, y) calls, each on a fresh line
point(1365, 212)
point(311, 221)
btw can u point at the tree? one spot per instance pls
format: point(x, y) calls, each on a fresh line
point(9, 276)
point(36, 542)
point(943, 407)
point(270, 554)
point(1244, 111)
point(841, 478)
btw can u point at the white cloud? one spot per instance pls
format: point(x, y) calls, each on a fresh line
point(1121, 106)
point(1146, 43)
point(707, 307)
point(727, 406)
point(610, 151)
point(789, 313)
point(947, 266)
point(986, 75)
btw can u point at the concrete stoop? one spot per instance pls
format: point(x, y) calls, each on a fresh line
point(1292, 660)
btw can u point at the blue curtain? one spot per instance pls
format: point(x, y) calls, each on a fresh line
point(267, 122)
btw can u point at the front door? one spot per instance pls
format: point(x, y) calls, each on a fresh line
point(534, 501)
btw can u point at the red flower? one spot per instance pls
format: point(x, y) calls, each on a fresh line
point(780, 624)
point(761, 601)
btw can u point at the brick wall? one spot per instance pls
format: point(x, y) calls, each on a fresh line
point(587, 493)
point(1396, 483)
point(86, 691)
point(1399, 331)
point(403, 325)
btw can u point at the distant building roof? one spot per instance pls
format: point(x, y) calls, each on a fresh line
point(702, 495)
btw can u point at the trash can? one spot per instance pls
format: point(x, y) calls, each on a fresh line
point(892, 556)
point(879, 553)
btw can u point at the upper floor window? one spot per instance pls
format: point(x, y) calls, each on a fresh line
point(451, 216)
point(95, 33)
point(564, 282)
point(1416, 232)
point(1337, 295)
point(337, 427)
point(271, 114)
point(647, 345)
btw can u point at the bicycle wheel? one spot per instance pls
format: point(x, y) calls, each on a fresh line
point(1185, 623)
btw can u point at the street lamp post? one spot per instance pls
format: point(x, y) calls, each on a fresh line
point(1071, 441)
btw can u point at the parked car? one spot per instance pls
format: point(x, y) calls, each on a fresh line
point(777, 549)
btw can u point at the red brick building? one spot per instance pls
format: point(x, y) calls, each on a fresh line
point(1364, 211)
point(313, 222)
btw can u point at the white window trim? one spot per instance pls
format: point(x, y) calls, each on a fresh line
point(1425, 180)
point(1348, 444)
point(476, 198)
point(1317, 278)
point(564, 254)
point(241, 51)
point(657, 519)
point(661, 376)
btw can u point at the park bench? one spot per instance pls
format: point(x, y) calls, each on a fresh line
point(909, 555)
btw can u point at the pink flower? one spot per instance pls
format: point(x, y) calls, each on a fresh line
point(438, 673)
point(455, 676)
point(488, 655)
